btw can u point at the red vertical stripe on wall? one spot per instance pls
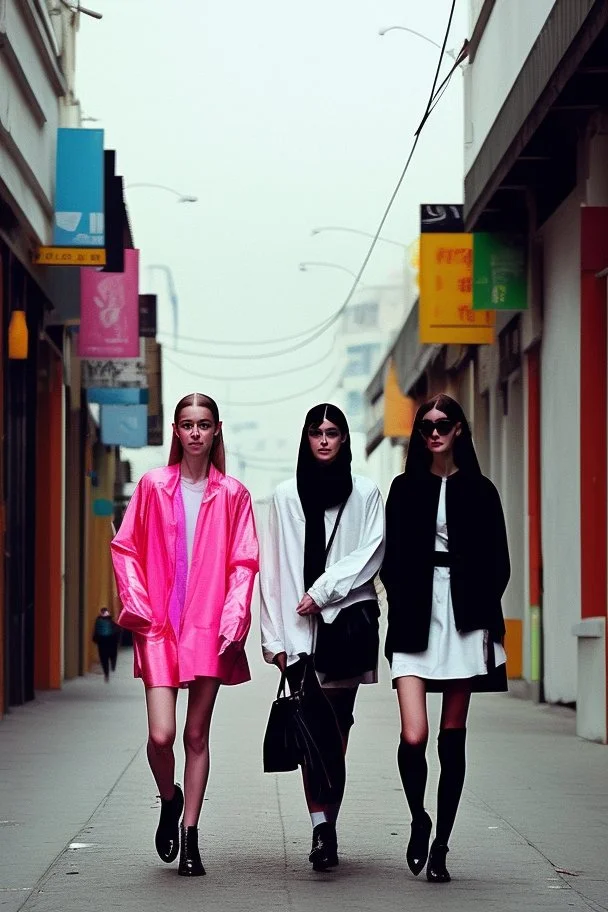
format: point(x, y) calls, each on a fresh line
point(593, 403)
point(534, 476)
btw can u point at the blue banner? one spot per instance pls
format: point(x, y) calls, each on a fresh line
point(117, 395)
point(124, 425)
point(79, 189)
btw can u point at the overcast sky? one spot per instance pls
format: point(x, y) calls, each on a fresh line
point(279, 118)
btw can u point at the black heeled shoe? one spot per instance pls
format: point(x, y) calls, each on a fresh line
point(167, 833)
point(324, 851)
point(190, 864)
point(418, 846)
point(436, 871)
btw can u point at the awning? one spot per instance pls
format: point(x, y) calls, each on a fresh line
point(532, 143)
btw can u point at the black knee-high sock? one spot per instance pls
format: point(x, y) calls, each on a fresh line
point(411, 759)
point(451, 750)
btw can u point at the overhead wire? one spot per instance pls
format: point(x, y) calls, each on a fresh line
point(230, 378)
point(434, 97)
point(256, 403)
point(297, 335)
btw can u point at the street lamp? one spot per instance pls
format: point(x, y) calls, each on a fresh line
point(356, 231)
point(403, 28)
point(77, 8)
point(172, 294)
point(181, 197)
point(305, 265)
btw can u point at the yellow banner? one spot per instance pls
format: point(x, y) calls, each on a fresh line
point(70, 256)
point(446, 293)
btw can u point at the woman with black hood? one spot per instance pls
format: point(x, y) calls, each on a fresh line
point(323, 547)
point(445, 570)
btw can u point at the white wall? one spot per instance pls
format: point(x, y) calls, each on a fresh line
point(512, 29)
point(29, 115)
point(383, 464)
point(560, 449)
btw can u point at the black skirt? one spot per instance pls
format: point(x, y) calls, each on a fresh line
point(348, 647)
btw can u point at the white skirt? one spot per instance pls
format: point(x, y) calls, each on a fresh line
point(450, 655)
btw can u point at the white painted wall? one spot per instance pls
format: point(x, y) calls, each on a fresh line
point(29, 115)
point(512, 29)
point(383, 464)
point(560, 446)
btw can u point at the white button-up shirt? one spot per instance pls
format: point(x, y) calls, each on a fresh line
point(353, 562)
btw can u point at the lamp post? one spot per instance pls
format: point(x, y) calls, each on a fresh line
point(368, 234)
point(172, 294)
point(304, 267)
point(77, 8)
point(403, 28)
point(181, 197)
point(306, 264)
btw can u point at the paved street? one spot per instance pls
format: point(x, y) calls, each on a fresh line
point(78, 811)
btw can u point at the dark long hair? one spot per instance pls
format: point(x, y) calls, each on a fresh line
point(420, 458)
point(321, 486)
point(218, 453)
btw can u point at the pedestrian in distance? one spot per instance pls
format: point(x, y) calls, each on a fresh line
point(185, 559)
point(322, 549)
point(106, 636)
point(445, 570)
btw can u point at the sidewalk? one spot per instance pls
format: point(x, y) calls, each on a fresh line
point(78, 811)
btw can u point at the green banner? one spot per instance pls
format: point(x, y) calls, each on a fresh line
point(500, 279)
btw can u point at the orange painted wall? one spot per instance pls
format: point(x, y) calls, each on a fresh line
point(49, 489)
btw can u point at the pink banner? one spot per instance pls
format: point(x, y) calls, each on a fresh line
point(109, 311)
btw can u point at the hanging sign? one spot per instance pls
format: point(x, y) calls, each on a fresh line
point(500, 280)
point(79, 189)
point(109, 311)
point(114, 373)
point(70, 256)
point(124, 425)
point(446, 282)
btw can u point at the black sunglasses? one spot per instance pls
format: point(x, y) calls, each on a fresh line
point(443, 426)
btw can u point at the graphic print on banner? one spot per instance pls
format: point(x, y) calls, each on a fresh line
point(109, 311)
point(446, 281)
point(500, 272)
point(79, 189)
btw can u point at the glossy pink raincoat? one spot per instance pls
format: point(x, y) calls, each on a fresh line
point(214, 615)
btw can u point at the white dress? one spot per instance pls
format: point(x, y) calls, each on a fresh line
point(449, 655)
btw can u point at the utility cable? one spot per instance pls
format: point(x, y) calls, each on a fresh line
point(297, 335)
point(257, 404)
point(338, 313)
point(230, 378)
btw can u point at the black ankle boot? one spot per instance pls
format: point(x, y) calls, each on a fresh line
point(418, 846)
point(324, 851)
point(167, 833)
point(190, 864)
point(436, 871)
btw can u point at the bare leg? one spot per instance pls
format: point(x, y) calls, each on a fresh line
point(160, 703)
point(202, 694)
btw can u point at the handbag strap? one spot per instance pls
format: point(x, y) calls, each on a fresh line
point(334, 530)
point(281, 691)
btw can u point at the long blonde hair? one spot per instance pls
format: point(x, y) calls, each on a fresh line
point(218, 453)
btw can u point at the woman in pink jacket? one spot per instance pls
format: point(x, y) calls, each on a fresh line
point(185, 560)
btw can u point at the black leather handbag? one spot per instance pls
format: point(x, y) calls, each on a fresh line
point(305, 727)
point(281, 750)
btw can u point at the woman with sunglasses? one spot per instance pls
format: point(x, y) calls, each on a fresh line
point(185, 559)
point(445, 570)
point(322, 549)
